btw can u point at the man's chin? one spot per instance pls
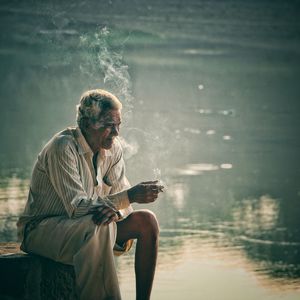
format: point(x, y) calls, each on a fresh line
point(108, 144)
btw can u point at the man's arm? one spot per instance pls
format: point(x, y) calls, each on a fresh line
point(116, 178)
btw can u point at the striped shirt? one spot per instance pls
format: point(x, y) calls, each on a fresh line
point(65, 182)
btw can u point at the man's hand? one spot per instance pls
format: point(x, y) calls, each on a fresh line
point(104, 215)
point(145, 192)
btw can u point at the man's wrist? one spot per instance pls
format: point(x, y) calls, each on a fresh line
point(129, 194)
point(120, 215)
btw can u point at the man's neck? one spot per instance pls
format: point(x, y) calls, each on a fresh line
point(92, 142)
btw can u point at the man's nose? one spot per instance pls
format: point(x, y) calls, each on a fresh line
point(115, 130)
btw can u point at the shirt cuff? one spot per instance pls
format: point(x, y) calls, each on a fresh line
point(119, 200)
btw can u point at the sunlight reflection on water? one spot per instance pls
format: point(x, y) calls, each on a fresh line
point(208, 261)
point(247, 243)
point(198, 169)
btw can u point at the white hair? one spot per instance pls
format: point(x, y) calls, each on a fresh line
point(93, 105)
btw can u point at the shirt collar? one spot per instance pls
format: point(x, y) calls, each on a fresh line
point(83, 146)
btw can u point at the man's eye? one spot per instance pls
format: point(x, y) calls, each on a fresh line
point(112, 125)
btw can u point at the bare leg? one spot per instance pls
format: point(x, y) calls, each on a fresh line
point(143, 226)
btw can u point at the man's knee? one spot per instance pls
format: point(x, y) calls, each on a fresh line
point(147, 222)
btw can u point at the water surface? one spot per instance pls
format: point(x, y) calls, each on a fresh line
point(211, 108)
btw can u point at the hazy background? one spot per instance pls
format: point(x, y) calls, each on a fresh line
point(211, 107)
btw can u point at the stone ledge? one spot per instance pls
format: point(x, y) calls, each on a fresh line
point(9, 248)
point(25, 276)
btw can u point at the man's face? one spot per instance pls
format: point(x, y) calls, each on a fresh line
point(109, 128)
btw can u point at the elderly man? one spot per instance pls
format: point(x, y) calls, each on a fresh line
point(79, 205)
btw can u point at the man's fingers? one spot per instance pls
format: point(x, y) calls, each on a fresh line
point(97, 209)
point(152, 191)
point(105, 219)
point(145, 192)
point(110, 219)
point(150, 182)
point(150, 195)
point(98, 218)
point(104, 216)
point(113, 218)
point(151, 198)
point(106, 210)
point(155, 187)
point(109, 214)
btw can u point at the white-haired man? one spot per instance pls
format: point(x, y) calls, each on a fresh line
point(79, 205)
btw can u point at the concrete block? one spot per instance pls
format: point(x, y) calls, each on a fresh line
point(25, 276)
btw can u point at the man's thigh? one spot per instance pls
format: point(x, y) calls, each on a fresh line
point(59, 238)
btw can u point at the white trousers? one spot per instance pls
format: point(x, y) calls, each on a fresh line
point(86, 246)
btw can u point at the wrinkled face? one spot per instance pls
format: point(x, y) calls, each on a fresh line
point(108, 128)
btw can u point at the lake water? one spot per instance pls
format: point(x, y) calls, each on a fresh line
point(211, 107)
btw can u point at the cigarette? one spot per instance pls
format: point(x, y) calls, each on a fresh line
point(161, 188)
